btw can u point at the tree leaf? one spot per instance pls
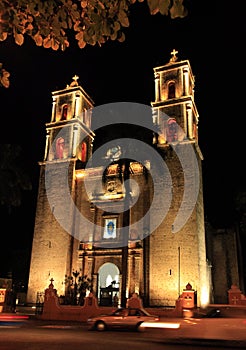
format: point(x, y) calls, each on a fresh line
point(3, 36)
point(47, 43)
point(113, 36)
point(4, 78)
point(81, 44)
point(54, 44)
point(164, 6)
point(124, 20)
point(38, 39)
point(178, 10)
point(79, 35)
point(116, 26)
point(19, 38)
point(153, 6)
point(84, 4)
point(122, 37)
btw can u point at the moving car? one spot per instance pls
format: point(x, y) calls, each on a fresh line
point(122, 318)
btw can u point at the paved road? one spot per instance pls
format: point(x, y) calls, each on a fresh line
point(227, 333)
point(221, 331)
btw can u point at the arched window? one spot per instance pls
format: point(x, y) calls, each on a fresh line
point(172, 130)
point(60, 144)
point(171, 90)
point(64, 112)
point(83, 152)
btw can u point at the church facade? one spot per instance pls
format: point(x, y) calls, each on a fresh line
point(132, 216)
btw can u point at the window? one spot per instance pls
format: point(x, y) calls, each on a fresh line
point(64, 112)
point(171, 90)
point(60, 144)
point(172, 130)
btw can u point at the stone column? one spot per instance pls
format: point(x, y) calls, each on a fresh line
point(184, 108)
point(137, 274)
point(132, 274)
point(53, 114)
point(186, 81)
point(75, 140)
point(76, 105)
point(157, 87)
point(47, 145)
point(95, 284)
point(89, 265)
point(189, 120)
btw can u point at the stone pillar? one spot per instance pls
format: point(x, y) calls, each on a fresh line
point(76, 105)
point(120, 281)
point(95, 284)
point(75, 140)
point(185, 120)
point(186, 81)
point(47, 145)
point(53, 114)
point(137, 273)
point(132, 274)
point(89, 265)
point(157, 87)
point(189, 120)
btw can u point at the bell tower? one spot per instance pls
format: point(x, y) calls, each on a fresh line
point(182, 234)
point(69, 141)
point(70, 122)
point(174, 98)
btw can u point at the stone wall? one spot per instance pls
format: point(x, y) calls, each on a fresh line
point(52, 310)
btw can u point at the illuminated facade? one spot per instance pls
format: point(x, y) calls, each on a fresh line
point(160, 262)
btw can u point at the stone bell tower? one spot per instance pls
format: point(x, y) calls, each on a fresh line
point(69, 141)
point(177, 247)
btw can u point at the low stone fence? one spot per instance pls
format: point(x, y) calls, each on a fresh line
point(235, 296)
point(53, 310)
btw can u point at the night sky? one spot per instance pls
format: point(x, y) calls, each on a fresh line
point(123, 72)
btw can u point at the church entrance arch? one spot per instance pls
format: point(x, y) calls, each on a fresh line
point(108, 284)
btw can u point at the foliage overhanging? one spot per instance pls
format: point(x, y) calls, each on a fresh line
point(50, 23)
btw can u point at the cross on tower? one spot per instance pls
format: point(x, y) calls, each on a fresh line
point(74, 82)
point(75, 78)
point(174, 57)
point(51, 286)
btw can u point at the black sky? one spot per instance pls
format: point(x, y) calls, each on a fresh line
point(123, 72)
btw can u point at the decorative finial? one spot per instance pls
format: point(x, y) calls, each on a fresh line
point(174, 57)
point(51, 286)
point(74, 82)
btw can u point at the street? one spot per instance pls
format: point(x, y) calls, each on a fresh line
point(33, 334)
